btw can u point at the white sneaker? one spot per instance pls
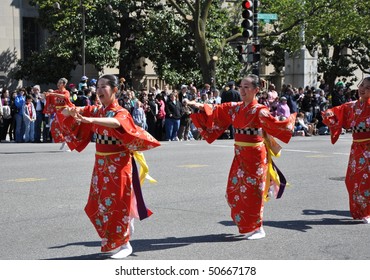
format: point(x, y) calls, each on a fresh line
point(366, 220)
point(257, 234)
point(124, 251)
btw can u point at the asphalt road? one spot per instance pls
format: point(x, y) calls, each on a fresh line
point(43, 192)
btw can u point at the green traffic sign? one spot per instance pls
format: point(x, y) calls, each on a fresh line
point(267, 17)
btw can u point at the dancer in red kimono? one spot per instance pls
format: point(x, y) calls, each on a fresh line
point(355, 116)
point(56, 101)
point(115, 197)
point(253, 176)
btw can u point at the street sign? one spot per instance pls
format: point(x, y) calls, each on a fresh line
point(267, 17)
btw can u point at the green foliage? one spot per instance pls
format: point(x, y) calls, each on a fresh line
point(43, 68)
point(118, 32)
point(171, 43)
point(331, 28)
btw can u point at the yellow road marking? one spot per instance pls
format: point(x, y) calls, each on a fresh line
point(318, 156)
point(192, 165)
point(23, 180)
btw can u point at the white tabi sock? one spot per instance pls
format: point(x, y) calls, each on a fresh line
point(257, 234)
point(124, 251)
point(366, 220)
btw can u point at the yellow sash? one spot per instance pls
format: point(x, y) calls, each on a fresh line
point(271, 173)
point(144, 169)
point(361, 140)
point(106, 154)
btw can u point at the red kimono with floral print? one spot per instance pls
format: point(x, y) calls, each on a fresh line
point(113, 201)
point(248, 173)
point(355, 116)
point(55, 105)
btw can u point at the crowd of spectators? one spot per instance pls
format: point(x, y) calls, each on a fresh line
point(163, 112)
point(308, 103)
point(22, 117)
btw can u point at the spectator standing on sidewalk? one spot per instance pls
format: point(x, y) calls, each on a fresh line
point(151, 112)
point(6, 116)
point(159, 125)
point(173, 116)
point(29, 118)
point(231, 95)
point(39, 103)
point(185, 121)
point(19, 101)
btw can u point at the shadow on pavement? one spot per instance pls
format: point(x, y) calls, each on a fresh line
point(327, 212)
point(304, 225)
point(31, 152)
point(144, 245)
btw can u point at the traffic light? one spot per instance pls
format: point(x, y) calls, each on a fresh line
point(243, 53)
point(247, 23)
point(254, 54)
point(249, 53)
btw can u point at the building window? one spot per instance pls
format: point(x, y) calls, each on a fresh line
point(31, 32)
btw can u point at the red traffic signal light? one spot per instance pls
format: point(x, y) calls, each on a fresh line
point(247, 4)
point(254, 53)
point(247, 23)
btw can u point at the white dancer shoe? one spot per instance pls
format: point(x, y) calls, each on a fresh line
point(257, 234)
point(366, 220)
point(124, 251)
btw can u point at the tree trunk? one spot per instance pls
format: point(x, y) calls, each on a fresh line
point(331, 75)
point(125, 32)
point(207, 65)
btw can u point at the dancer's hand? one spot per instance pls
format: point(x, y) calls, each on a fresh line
point(78, 117)
point(329, 114)
point(71, 111)
point(195, 104)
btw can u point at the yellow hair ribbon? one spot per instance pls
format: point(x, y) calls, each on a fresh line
point(144, 170)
